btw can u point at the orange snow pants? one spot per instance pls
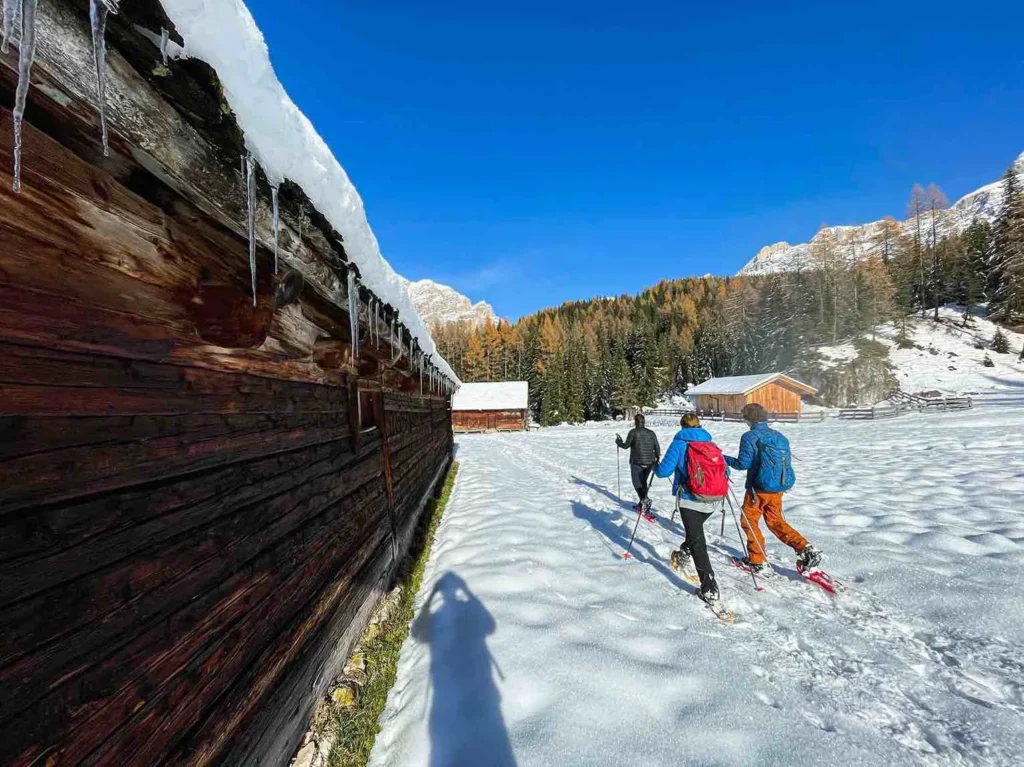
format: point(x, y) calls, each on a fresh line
point(769, 506)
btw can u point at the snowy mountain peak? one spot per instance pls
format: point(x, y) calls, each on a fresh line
point(440, 304)
point(860, 241)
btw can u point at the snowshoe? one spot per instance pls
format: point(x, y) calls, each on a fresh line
point(650, 517)
point(724, 615)
point(809, 559)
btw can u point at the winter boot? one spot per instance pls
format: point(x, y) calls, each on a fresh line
point(709, 595)
point(809, 558)
point(680, 558)
point(754, 568)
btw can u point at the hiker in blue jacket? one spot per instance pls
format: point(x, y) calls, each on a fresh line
point(765, 455)
point(694, 513)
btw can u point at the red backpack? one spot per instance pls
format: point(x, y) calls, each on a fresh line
point(705, 472)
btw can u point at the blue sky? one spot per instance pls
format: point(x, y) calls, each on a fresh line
point(531, 153)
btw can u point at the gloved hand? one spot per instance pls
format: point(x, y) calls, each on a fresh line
point(618, 440)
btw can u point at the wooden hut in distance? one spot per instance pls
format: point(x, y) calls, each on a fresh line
point(492, 406)
point(778, 393)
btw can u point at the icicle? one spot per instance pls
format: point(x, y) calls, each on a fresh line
point(250, 205)
point(353, 312)
point(26, 53)
point(10, 9)
point(164, 39)
point(273, 202)
point(98, 10)
point(369, 320)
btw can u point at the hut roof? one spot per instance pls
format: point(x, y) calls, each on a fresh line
point(506, 395)
point(746, 384)
point(287, 146)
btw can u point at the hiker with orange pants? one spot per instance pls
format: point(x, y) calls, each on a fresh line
point(765, 456)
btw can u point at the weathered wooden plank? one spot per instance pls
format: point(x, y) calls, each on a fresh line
point(270, 734)
point(126, 582)
point(300, 476)
point(84, 471)
point(94, 700)
point(150, 511)
point(250, 675)
point(89, 611)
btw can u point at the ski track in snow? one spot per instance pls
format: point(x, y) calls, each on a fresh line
point(599, 660)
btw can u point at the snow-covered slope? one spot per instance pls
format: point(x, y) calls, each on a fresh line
point(945, 358)
point(286, 145)
point(859, 241)
point(537, 644)
point(439, 304)
point(948, 358)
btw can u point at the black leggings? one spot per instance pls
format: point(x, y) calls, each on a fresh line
point(693, 522)
point(641, 476)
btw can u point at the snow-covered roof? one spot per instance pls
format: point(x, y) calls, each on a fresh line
point(506, 395)
point(286, 145)
point(744, 384)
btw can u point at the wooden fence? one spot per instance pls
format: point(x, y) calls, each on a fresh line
point(714, 415)
point(901, 402)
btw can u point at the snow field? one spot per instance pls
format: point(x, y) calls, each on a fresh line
point(557, 651)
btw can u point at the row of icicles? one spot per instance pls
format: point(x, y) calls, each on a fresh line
point(428, 372)
point(22, 14)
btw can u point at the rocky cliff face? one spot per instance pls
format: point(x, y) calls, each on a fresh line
point(438, 303)
point(859, 242)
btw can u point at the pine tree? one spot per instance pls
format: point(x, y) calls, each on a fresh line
point(475, 362)
point(574, 374)
point(999, 343)
point(1007, 297)
point(885, 239)
point(623, 389)
point(972, 274)
point(937, 204)
point(915, 209)
point(878, 306)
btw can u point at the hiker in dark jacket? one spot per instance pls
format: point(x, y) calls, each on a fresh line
point(644, 454)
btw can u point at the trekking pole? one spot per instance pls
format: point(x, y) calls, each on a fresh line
point(740, 534)
point(763, 552)
point(618, 467)
point(630, 547)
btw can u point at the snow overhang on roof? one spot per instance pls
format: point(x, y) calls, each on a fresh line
point(746, 384)
point(507, 395)
point(286, 145)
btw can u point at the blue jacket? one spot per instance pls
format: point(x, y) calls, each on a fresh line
point(749, 455)
point(675, 459)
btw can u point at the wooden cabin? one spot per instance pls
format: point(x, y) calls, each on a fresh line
point(776, 392)
point(201, 499)
point(494, 406)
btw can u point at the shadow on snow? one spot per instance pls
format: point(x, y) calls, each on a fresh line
point(619, 534)
point(466, 724)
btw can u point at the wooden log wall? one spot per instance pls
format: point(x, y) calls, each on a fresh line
point(489, 420)
point(200, 501)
